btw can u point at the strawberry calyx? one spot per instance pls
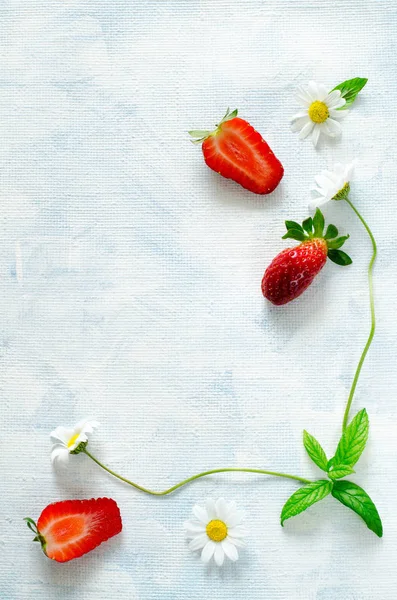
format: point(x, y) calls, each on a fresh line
point(203, 134)
point(313, 228)
point(38, 537)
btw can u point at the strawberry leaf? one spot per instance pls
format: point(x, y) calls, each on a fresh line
point(339, 471)
point(338, 242)
point(304, 497)
point(353, 440)
point(331, 232)
point(339, 257)
point(293, 225)
point(295, 234)
point(349, 89)
point(318, 223)
point(354, 497)
point(308, 225)
point(315, 450)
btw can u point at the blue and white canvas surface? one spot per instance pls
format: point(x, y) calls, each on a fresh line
point(130, 290)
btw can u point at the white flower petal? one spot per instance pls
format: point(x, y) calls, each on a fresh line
point(198, 542)
point(332, 98)
point(306, 130)
point(208, 551)
point(61, 434)
point(316, 203)
point(200, 514)
point(211, 510)
point(219, 555)
point(299, 115)
point(303, 97)
point(60, 456)
point(300, 123)
point(238, 542)
point(230, 549)
point(333, 127)
point(235, 518)
point(316, 135)
point(312, 90)
point(238, 531)
point(193, 529)
point(322, 92)
point(221, 509)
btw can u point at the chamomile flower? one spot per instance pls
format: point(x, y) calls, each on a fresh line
point(319, 114)
point(70, 440)
point(332, 185)
point(216, 531)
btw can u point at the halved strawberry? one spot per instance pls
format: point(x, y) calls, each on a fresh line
point(236, 151)
point(71, 528)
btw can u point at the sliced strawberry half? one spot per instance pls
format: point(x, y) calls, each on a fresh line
point(237, 151)
point(71, 528)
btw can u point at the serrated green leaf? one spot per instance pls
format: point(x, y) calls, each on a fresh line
point(339, 257)
point(318, 223)
point(350, 88)
point(338, 242)
point(293, 225)
point(339, 471)
point(331, 232)
point(308, 225)
point(295, 234)
point(304, 497)
point(353, 496)
point(353, 440)
point(315, 450)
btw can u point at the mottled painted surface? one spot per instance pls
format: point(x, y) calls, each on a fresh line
point(131, 290)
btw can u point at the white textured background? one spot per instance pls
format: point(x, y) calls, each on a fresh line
point(130, 290)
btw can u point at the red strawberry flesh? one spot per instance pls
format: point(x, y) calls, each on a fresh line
point(74, 527)
point(293, 270)
point(237, 151)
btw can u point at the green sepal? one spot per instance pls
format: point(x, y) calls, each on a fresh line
point(315, 450)
point(339, 257)
point(33, 527)
point(349, 89)
point(203, 134)
point(331, 232)
point(339, 471)
point(304, 497)
point(308, 225)
point(293, 225)
point(295, 234)
point(80, 448)
point(354, 497)
point(318, 223)
point(353, 440)
point(338, 242)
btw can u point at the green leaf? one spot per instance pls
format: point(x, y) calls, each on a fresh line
point(339, 257)
point(293, 225)
point(315, 450)
point(331, 232)
point(295, 234)
point(353, 440)
point(339, 471)
point(350, 88)
point(354, 497)
point(338, 242)
point(308, 225)
point(305, 497)
point(318, 223)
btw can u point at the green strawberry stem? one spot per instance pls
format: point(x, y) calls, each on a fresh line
point(194, 477)
point(372, 307)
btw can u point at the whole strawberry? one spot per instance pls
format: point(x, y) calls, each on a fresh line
point(293, 270)
point(236, 151)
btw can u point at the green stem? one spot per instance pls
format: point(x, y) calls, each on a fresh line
point(194, 477)
point(372, 307)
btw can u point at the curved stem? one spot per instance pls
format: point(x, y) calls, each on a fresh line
point(194, 477)
point(372, 307)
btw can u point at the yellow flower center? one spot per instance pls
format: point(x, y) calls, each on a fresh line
point(72, 440)
point(318, 112)
point(216, 530)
